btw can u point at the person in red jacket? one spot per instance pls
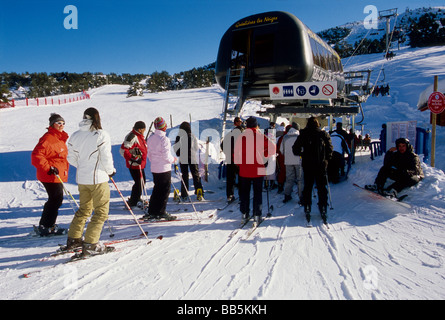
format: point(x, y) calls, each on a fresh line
point(134, 150)
point(252, 150)
point(50, 159)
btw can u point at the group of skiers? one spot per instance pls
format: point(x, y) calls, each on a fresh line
point(309, 155)
point(304, 158)
point(89, 151)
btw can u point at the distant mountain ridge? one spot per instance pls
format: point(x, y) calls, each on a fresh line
point(419, 27)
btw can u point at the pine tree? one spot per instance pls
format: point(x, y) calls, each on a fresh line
point(136, 89)
point(5, 94)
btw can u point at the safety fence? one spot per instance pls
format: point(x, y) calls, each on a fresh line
point(46, 101)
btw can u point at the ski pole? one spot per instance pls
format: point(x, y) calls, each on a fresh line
point(129, 209)
point(179, 174)
point(67, 192)
point(143, 187)
point(329, 190)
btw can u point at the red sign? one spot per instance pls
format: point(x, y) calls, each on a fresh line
point(436, 102)
point(327, 89)
point(276, 90)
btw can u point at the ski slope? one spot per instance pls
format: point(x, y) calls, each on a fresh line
point(373, 249)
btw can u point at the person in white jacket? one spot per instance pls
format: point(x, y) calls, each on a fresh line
point(161, 159)
point(89, 150)
point(292, 163)
point(336, 166)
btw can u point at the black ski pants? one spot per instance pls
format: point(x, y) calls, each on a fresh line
point(232, 171)
point(51, 207)
point(401, 178)
point(336, 167)
point(244, 194)
point(185, 176)
point(136, 190)
point(318, 176)
point(161, 190)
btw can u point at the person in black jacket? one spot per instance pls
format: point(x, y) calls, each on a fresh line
point(186, 147)
point(315, 148)
point(400, 164)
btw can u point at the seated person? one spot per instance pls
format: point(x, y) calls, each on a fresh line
point(400, 164)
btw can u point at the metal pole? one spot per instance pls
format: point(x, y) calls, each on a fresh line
point(433, 135)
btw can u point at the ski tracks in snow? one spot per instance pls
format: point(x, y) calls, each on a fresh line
point(237, 261)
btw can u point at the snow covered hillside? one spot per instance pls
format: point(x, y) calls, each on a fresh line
point(402, 22)
point(373, 249)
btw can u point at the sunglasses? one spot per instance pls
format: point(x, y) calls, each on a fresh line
point(60, 123)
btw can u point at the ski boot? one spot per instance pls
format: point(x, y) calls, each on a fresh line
point(307, 212)
point(176, 197)
point(323, 212)
point(148, 217)
point(256, 220)
point(231, 199)
point(167, 216)
point(71, 244)
point(287, 198)
point(50, 231)
point(390, 193)
point(131, 204)
point(92, 249)
point(142, 204)
point(199, 194)
point(245, 217)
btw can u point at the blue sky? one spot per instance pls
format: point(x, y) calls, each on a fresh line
point(137, 36)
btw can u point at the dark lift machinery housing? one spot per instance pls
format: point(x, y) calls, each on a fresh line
point(276, 47)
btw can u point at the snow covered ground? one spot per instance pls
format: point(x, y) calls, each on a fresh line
point(373, 249)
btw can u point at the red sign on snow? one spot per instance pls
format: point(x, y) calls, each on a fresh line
point(436, 102)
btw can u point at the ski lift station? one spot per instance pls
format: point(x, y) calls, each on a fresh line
point(274, 58)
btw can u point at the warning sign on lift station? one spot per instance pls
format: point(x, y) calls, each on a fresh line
point(303, 90)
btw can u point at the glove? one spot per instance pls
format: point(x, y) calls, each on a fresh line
point(111, 175)
point(136, 151)
point(135, 161)
point(53, 171)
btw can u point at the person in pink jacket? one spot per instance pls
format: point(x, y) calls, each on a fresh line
point(161, 159)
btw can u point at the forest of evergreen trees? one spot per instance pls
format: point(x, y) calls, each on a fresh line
point(42, 84)
point(162, 81)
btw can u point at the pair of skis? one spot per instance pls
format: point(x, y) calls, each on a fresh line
point(77, 252)
point(254, 226)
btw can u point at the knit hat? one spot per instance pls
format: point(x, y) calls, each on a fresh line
point(251, 122)
point(55, 118)
point(402, 140)
point(160, 124)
